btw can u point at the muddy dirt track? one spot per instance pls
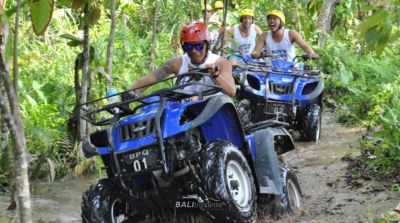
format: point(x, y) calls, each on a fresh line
point(319, 167)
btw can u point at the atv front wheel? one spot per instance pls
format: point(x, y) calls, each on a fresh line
point(102, 204)
point(292, 189)
point(310, 123)
point(290, 200)
point(244, 111)
point(230, 182)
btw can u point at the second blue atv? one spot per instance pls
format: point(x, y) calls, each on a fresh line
point(283, 91)
point(164, 154)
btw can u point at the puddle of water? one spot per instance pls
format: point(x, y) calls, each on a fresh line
point(52, 202)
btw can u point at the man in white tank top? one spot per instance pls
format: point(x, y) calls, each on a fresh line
point(278, 42)
point(195, 42)
point(243, 35)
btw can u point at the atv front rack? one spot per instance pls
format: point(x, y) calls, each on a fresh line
point(265, 69)
point(100, 112)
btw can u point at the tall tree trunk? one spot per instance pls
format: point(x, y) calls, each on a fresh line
point(124, 28)
point(298, 24)
point(85, 73)
point(154, 37)
point(13, 120)
point(5, 157)
point(4, 31)
point(110, 46)
point(324, 20)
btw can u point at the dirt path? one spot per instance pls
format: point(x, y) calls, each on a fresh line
point(327, 196)
point(321, 171)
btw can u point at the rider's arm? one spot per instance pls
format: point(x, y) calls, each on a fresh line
point(258, 31)
point(296, 37)
point(259, 46)
point(224, 78)
point(168, 67)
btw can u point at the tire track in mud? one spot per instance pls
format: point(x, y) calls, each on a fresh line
point(322, 175)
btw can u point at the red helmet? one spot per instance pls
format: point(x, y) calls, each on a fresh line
point(194, 31)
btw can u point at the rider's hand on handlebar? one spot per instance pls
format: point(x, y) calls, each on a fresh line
point(213, 69)
point(128, 95)
point(313, 55)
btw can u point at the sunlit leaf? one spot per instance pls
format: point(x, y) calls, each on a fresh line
point(64, 3)
point(70, 37)
point(75, 41)
point(41, 13)
point(372, 35)
point(36, 85)
point(41, 96)
point(373, 20)
point(31, 101)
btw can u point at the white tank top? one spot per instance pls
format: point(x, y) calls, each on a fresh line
point(283, 50)
point(186, 64)
point(245, 45)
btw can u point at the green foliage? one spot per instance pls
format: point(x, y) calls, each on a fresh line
point(376, 30)
point(364, 90)
point(41, 13)
point(390, 217)
point(385, 120)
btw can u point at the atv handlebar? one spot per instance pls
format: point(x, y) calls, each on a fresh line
point(100, 111)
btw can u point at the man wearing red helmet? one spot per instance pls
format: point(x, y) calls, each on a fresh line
point(195, 43)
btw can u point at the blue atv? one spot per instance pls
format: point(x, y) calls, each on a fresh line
point(166, 155)
point(283, 91)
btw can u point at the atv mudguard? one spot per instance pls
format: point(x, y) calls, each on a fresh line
point(218, 120)
point(266, 161)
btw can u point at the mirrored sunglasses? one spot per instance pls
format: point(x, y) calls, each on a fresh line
point(187, 47)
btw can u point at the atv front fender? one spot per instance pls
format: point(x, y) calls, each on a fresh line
point(266, 161)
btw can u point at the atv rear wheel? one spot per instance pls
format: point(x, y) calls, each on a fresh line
point(229, 180)
point(103, 204)
point(310, 123)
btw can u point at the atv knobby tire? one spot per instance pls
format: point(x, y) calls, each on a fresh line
point(244, 111)
point(292, 191)
point(103, 204)
point(310, 123)
point(230, 182)
point(288, 202)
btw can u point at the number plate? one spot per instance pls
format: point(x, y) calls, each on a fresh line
point(273, 108)
point(139, 160)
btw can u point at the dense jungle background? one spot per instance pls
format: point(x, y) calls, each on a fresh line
point(70, 51)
